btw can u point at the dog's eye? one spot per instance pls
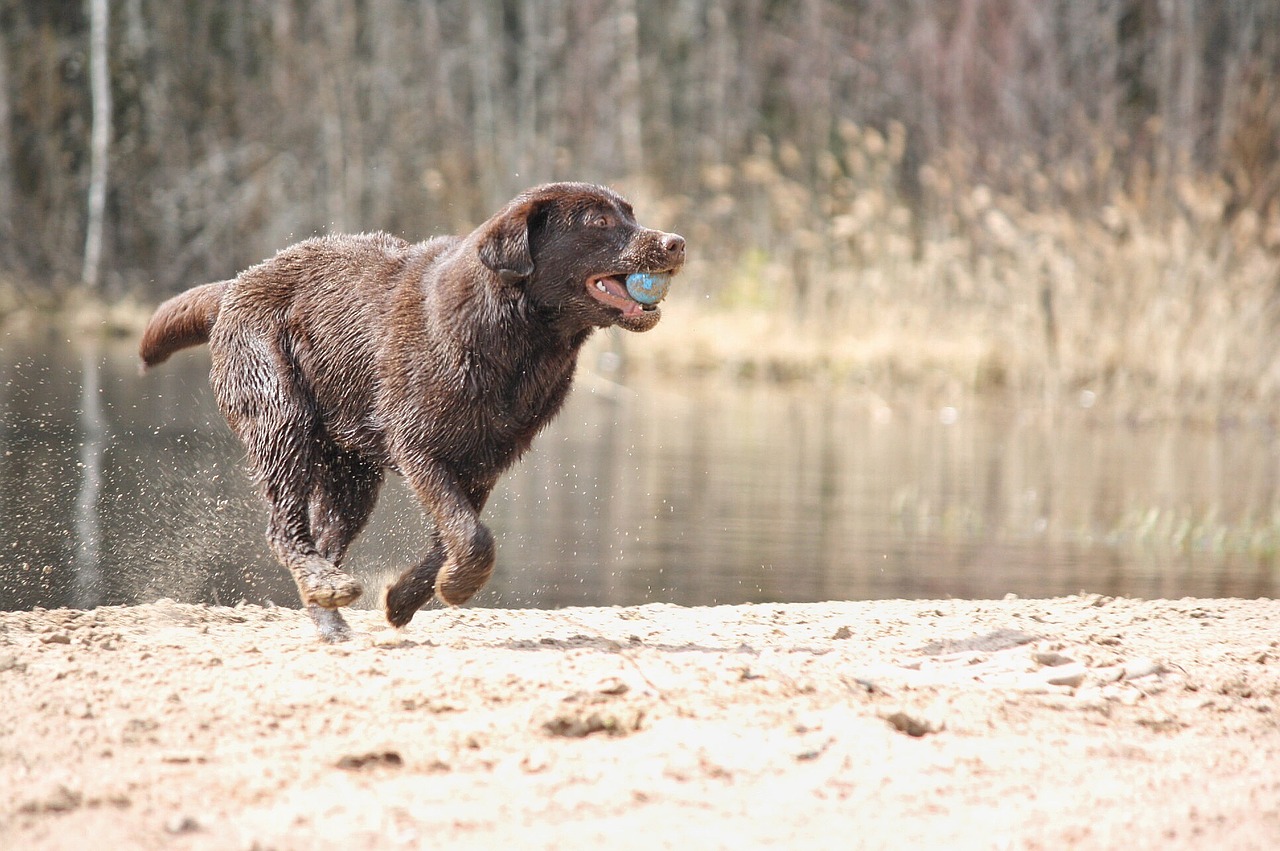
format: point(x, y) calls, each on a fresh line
point(602, 220)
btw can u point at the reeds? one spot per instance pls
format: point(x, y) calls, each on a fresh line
point(1141, 289)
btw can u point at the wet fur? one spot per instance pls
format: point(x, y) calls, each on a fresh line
point(345, 356)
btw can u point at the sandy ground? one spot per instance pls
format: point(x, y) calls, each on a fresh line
point(1079, 722)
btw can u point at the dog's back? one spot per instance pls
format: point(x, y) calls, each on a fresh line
point(322, 307)
point(303, 282)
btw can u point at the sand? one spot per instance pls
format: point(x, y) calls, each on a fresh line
point(1085, 722)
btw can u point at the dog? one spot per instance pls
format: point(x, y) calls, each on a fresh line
point(346, 356)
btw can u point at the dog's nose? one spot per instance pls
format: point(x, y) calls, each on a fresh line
point(673, 244)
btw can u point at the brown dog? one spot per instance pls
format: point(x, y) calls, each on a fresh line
point(344, 356)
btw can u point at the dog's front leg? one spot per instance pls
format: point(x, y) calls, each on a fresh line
point(460, 559)
point(416, 586)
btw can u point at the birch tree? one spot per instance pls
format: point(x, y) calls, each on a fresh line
point(6, 165)
point(99, 142)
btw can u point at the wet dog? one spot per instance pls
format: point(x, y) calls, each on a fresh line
point(343, 357)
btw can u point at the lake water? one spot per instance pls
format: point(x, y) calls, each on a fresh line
point(119, 488)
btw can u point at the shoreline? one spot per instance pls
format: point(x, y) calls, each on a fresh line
point(1086, 721)
point(890, 361)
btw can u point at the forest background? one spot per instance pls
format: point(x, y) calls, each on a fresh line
point(1046, 199)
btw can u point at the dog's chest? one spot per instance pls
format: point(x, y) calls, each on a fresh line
point(497, 413)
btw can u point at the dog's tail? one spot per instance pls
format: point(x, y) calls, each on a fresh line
point(182, 321)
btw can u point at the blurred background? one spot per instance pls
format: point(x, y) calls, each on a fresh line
point(1051, 227)
point(1020, 193)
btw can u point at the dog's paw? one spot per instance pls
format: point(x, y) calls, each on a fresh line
point(457, 584)
point(325, 586)
point(403, 601)
point(334, 591)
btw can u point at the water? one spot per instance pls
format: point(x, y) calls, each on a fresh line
point(116, 488)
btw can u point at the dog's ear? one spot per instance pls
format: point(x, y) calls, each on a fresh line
point(504, 243)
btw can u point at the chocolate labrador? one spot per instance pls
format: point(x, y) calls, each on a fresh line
point(345, 356)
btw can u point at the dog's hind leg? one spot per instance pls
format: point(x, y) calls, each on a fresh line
point(345, 491)
point(320, 582)
point(286, 485)
point(256, 386)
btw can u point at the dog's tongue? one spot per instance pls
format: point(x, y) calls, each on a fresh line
point(616, 288)
point(615, 295)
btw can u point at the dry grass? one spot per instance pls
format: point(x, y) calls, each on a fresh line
point(1155, 293)
point(1069, 278)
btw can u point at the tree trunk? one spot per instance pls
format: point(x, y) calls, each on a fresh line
point(99, 143)
point(6, 165)
point(493, 165)
point(629, 95)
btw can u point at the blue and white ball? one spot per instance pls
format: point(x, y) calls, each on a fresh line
point(648, 287)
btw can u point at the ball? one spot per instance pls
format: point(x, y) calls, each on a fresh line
point(648, 287)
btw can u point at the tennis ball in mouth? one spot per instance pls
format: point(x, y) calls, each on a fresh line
point(648, 287)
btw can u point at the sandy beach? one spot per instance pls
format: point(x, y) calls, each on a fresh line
point(1086, 722)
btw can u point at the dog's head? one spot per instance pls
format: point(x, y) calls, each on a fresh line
point(568, 247)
